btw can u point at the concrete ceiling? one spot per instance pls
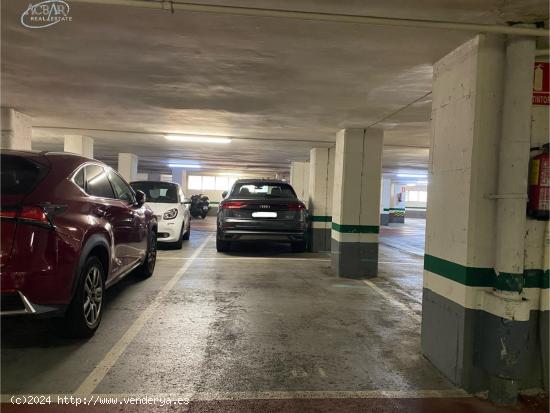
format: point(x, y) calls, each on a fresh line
point(127, 75)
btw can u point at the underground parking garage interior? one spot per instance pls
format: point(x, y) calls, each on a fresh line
point(237, 206)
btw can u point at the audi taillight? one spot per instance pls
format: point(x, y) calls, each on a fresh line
point(296, 206)
point(233, 205)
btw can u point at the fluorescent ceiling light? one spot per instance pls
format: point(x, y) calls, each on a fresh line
point(198, 138)
point(183, 165)
point(411, 176)
point(422, 182)
point(411, 184)
point(229, 174)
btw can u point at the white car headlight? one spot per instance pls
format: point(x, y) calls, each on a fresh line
point(170, 214)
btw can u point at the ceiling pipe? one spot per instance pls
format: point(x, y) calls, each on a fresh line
point(328, 17)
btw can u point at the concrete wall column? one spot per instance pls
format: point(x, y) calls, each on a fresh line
point(397, 204)
point(79, 144)
point(299, 179)
point(154, 176)
point(16, 130)
point(385, 201)
point(179, 176)
point(472, 331)
point(127, 166)
point(321, 180)
point(356, 202)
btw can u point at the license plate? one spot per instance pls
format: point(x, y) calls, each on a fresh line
point(262, 214)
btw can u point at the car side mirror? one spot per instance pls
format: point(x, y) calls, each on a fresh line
point(140, 197)
point(186, 201)
point(224, 194)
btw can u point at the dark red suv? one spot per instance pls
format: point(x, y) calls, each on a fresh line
point(71, 227)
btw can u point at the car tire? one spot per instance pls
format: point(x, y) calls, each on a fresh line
point(187, 234)
point(85, 311)
point(222, 246)
point(299, 246)
point(179, 243)
point(146, 269)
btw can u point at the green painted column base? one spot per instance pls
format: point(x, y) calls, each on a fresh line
point(357, 260)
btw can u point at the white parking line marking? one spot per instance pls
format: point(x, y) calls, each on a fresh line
point(285, 395)
point(101, 370)
point(393, 300)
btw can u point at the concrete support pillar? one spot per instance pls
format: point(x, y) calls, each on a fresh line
point(16, 130)
point(127, 166)
point(79, 144)
point(154, 176)
point(356, 203)
point(179, 176)
point(385, 201)
point(397, 204)
point(299, 179)
point(480, 326)
point(321, 180)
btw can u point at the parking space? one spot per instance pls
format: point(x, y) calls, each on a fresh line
point(239, 322)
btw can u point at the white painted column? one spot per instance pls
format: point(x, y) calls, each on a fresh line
point(127, 166)
point(16, 130)
point(154, 176)
point(356, 202)
point(179, 176)
point(299, 179)
point(478, 327)
point(397, 203)
point(79, 144)
point(321, 179)
point(385, 201)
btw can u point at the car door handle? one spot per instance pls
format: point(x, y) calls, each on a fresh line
point(99, 212)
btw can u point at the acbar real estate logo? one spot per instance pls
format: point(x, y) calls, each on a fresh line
point(46, 14)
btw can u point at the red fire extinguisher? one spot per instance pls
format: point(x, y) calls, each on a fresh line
point(539, 186)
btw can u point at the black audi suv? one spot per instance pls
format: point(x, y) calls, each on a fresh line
point(262, 210)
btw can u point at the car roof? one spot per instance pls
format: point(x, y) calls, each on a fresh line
point(67, 159)
point(262, 180)
point(154, 182)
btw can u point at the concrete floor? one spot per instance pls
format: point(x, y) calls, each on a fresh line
point(257, 329)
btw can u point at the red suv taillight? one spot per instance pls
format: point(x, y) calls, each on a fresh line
point(30, 214)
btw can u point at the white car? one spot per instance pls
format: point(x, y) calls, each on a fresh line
point(167, 201)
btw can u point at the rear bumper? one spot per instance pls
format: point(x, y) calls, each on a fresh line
point(17, 304)
point(242, 235)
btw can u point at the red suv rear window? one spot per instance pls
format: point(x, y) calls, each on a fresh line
point(19, 176)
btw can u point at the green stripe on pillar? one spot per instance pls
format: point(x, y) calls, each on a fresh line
point(356, 229)
point(321, 218)
point(486, 277)
point(470, 276)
